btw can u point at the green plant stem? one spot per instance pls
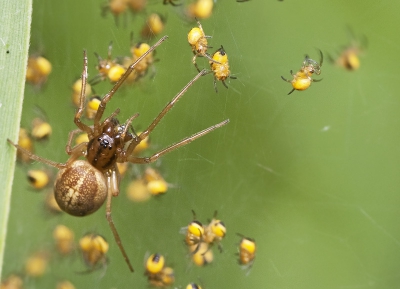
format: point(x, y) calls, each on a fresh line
point(15, 23)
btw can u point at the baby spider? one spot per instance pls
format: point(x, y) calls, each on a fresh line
point(198, 41)
point(200, 9)
point(116, 7)
point(348, 58)
point(247, 251)
point(220, 67)
point(194, 233)
point(302, 79)
point(193, 286)
point(155, 24)
point(108, 69)
point(142, 68)
point(82, 186)
point(214, 232)
point(38, 69)
point(157, 274)
point(94, 250)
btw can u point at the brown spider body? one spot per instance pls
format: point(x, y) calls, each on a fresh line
point(104, 149)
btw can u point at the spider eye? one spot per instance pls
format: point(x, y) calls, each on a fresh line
point(104, 143)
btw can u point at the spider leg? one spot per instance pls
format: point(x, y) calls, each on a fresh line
point(37, 158)
point(114, 230)
point(171, 2)
point(113, 178)
point(70, 137)
point(194, 62)
point(185, 141)
point(291, 91)
point(215, 85)
point(285, 79)
point(128, 124)
point(109, 51)
point(118, 84)
point(199, 24)
point(321, 58)
point(78, 114)
point(206, 55)
point(316, 80)
point(155, 122)
point(96, 79)
point(108, 119)
point(223, 82)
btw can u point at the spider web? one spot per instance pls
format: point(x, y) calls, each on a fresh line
point(312, 177)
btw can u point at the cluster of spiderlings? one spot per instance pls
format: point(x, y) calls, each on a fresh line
point(347, 58)
point(92, 247)
point(83, 185)
point(113, 69)
point(154, 23)
point(218, 61)
point(37, 263)
point(40, 130)
point(302, 79)
point(200, 238)
point(38, 178)
point(157, 273)
point(120, 7)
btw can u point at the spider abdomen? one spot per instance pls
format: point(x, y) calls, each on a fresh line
point(80, 189)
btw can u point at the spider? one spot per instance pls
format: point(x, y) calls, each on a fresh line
point(247, 251)
point(302, 79)
point(348, 58)
point(157, 274)
point(82, 186)
point(220, 67)
point(116, 7)
point(107, 68)
point(198, 41)
point(201, 9)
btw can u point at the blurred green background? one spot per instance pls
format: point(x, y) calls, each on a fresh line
point(313, 176)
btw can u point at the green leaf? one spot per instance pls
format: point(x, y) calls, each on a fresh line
point(15, 23)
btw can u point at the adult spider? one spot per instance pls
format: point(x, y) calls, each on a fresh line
point(82, 186)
